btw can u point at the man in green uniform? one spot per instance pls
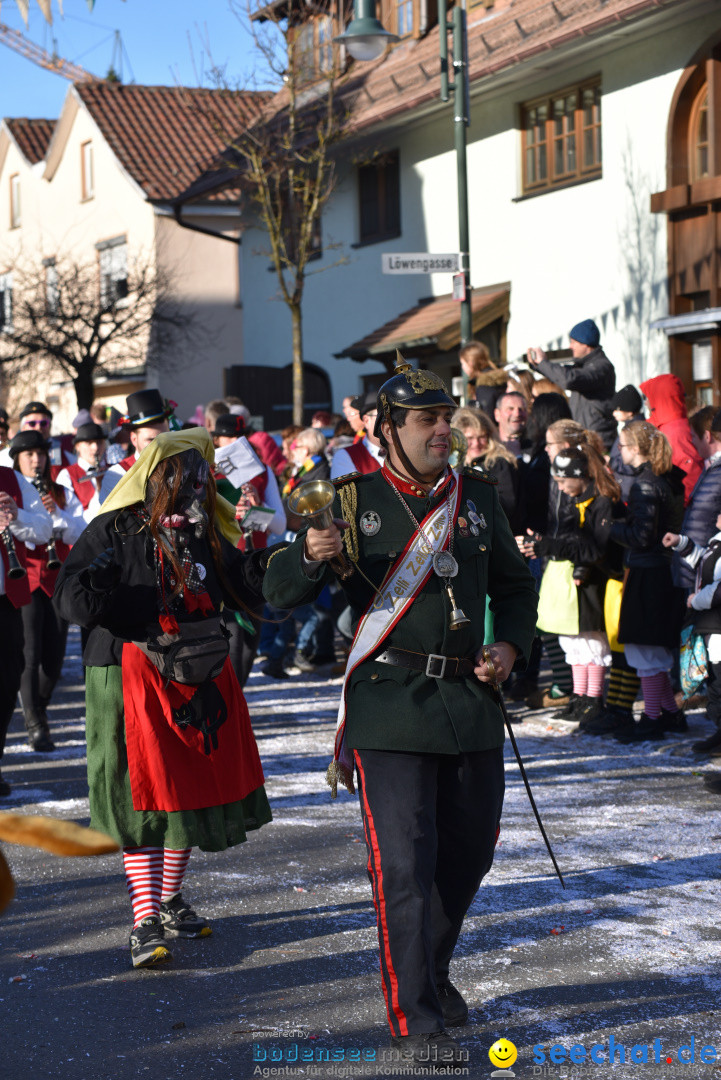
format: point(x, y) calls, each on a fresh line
point(417, 725)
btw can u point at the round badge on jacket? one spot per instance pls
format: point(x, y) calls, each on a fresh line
point(370, 523)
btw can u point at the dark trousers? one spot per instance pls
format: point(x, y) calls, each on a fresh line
point(431, 823)
point(45, 639)
point(11, 663)
point(713, 692)
point(242, 644)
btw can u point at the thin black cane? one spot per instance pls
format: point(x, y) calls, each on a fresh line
point(499, 697)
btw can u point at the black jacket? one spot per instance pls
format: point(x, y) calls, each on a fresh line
point(126, 612)
point(699, 522)
point(706, 620)
point(655, 507)
point(510, 490)
point(624, 473)
point(592, 382)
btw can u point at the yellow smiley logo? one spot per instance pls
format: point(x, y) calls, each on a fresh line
point(503, 1053)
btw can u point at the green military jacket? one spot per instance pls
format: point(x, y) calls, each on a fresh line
point(394, 708)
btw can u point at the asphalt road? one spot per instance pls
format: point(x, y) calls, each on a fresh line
point(288, 984)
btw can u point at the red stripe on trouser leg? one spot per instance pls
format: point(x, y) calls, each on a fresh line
point(390, 987)
point(175, 863)
point(144, 875)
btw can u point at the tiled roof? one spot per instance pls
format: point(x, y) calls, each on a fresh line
point(433, 325)
point(32, 136)
point(163, 136)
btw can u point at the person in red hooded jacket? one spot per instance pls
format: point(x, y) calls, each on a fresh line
point(666, 399)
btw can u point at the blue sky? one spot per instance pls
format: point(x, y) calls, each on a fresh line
point(166, 41)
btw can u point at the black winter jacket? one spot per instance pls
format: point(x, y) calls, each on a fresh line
point(126, 612)
point(623, 473)
point(655, 507)
point(592, 382)
point(510, 490)
point(699, 522)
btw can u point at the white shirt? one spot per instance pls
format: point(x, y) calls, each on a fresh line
point(342, 463)
point(93, 508)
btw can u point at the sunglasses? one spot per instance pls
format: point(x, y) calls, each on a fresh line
point(37, 423)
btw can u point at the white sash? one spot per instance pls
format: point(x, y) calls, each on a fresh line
point(403, 582)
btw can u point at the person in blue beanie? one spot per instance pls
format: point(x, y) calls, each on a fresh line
point(590, 379)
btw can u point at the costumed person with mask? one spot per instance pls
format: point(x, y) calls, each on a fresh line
point(417, 725)
point(172, 760)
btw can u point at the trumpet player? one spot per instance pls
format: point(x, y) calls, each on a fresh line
point(22, 517)
point(85, 476)
point(44, 632)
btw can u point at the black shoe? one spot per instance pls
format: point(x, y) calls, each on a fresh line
point(5, 788)
point(674, 721)
point(712, 782)
point(147, 946)
point(453, 1006)
point(568, 712)
point(704, 745)
point(610, 721)
point(39, 739)
point(588, 710)
point(275, 670)
point(179, 919)
point(644, 731)
point(436, 1050)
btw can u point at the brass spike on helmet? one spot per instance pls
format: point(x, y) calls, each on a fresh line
point(402, 365)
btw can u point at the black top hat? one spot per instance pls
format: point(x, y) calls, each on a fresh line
point(230, 425)
point(409, 389)
point(28, 440)
point(89, 433)
point(36, 407)
point(145, 406)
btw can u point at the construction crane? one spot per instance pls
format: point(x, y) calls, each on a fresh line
point(15, 40)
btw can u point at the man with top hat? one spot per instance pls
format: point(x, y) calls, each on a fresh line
point(147, 417)
point(22, 518)
point(417, 725)
point(367, 455)
point(85, 476)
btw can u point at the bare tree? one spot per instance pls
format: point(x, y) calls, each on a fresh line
point(82, 319)
point(283, 163)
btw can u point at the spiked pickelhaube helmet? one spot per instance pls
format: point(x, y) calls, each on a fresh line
point(409, 389)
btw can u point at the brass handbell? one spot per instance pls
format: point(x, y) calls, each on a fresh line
point(457, 618)
point(313, 501)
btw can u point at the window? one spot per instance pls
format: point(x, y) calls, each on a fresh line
point(113, 258)
point(52, 287)
point(404, 17)
point(561, 138)
point(15, 201)
point(379, 197)
point(87, 182)
point(698, 137)
point(314, 49)
point(6, 303)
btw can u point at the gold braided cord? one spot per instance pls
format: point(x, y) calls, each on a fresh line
point(348, 496)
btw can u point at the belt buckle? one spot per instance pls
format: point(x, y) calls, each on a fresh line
point(431, 658)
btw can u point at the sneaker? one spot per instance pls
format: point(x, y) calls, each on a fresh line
point(645, 730)
point(453, 1006)
point(674, 721)
point(179, 919)
point(588, 710)
point(435, 1050)
point(302, 662)
point(704, 745)
point(611, 720)
point(147, 947)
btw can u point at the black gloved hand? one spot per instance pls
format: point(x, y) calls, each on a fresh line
point(103, 572)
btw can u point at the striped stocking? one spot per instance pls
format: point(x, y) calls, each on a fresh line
point(174, 867)
point(580, 679)
point(595, 680)
point(652, 688)
point(144, 875)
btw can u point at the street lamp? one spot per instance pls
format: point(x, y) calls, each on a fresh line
point(368, 31)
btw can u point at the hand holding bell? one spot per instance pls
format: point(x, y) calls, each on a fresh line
point(312, 501)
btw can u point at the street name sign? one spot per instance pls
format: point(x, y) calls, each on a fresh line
point(420, 262)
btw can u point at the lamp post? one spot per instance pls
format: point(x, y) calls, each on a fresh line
point(366, 39)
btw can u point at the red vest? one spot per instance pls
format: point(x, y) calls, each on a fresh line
point(84, 489)
point(39, 577)
point(128, 462)
point(363, 460)
point(17, 590)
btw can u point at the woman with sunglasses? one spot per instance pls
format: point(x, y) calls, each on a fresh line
point(44, 631)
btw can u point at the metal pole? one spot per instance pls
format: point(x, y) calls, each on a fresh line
point(461, 118)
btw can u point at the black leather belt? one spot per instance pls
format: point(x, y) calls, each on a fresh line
point(433, 665)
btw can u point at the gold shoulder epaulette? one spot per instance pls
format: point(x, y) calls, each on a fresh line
point(339, 481)
point(477, 472)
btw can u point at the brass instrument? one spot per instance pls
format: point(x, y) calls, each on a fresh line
point(15, 567)
point(53, 562)
point(459, 449)
point(313, 501)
